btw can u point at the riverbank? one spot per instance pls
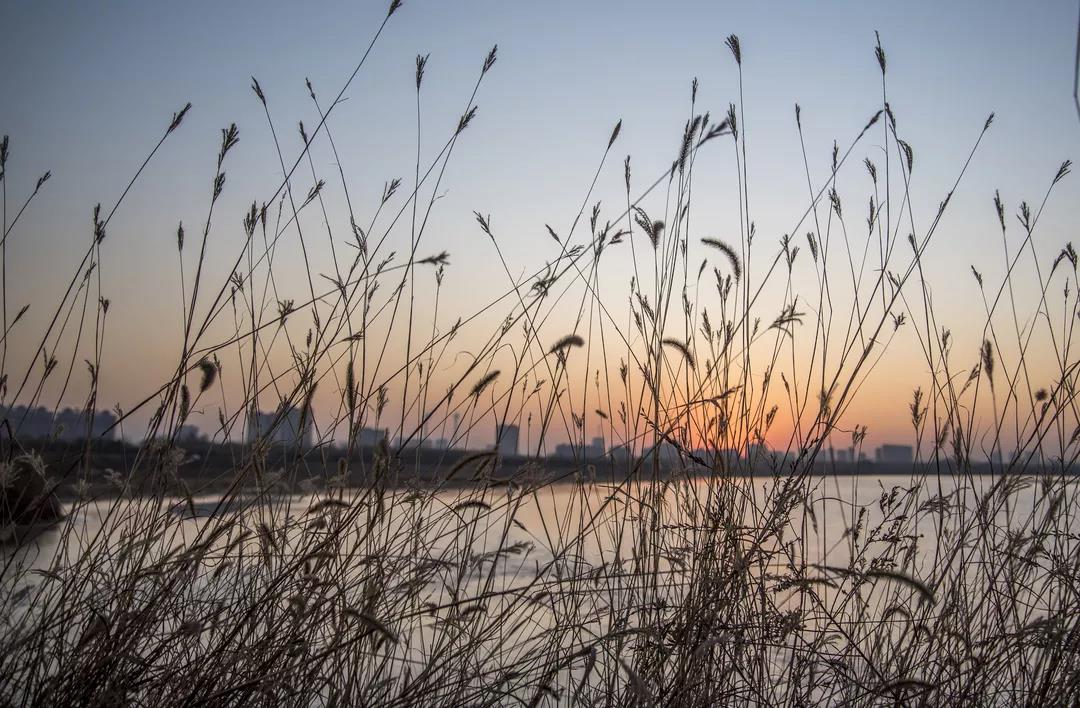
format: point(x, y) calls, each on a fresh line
point(201, 468)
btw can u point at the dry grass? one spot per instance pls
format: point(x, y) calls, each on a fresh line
point(665, 575)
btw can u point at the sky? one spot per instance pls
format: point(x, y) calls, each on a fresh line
point(88, 87)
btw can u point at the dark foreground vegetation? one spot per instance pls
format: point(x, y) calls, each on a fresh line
point(693, 585)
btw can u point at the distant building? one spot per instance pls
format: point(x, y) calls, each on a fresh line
point(595, 450)
point(564, 451)
point(667, 454)
point(756, 452)
point(189, 434)
point(67, 425)
point(729, 455)
point(670, 455)
point(894, 455)
point(506, 440)
point(844, 456)
point(370, 437)
point(281, 427)
point(620, 454)
point(414, 444)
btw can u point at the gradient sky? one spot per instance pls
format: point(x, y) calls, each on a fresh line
point(88, 87)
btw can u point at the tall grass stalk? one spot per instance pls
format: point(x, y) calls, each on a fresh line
point(690, 564)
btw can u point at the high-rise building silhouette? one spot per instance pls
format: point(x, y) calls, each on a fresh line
point(280, 427)
point(506, 440)
point(67, 425)
point(895, 454)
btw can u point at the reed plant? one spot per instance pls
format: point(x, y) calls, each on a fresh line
point(691, 565)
